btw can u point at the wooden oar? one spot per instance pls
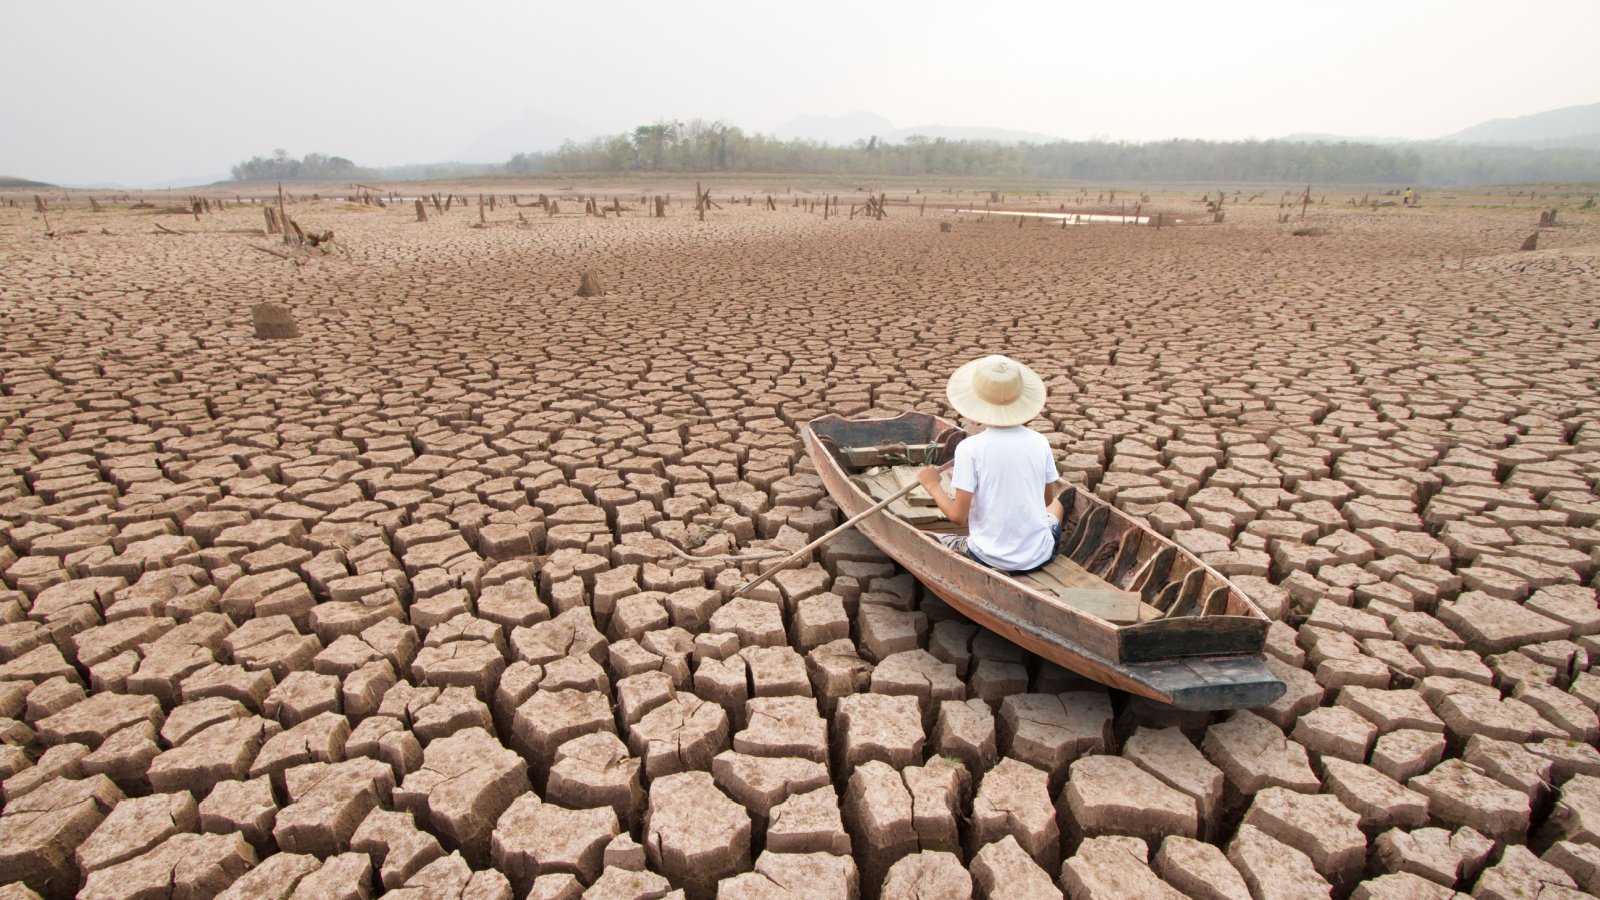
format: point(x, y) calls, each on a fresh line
point(785, 563)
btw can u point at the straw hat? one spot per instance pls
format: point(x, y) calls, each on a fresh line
point(996, 390)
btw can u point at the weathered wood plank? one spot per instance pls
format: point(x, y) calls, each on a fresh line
point(1073, 575)
point(904, 475)
point(1116, 607)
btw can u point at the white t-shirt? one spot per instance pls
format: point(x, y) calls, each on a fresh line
point(1006, 470)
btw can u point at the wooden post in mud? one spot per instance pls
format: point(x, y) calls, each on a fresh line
point(481, 219)
point(283, 218)
point(699, 201)
point(422, 213)
point(1305, 201)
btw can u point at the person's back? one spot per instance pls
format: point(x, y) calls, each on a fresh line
point(1006, 470)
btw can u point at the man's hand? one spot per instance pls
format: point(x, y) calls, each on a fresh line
point(954, 508)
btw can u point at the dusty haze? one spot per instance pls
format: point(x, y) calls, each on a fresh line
point(137, 94)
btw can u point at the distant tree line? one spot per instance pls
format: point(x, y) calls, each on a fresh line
point(280, 166)
point(700, 146)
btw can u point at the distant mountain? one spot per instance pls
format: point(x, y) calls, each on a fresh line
point(842, 130)
point(8, 181)
point(860, 126)
point(530, 132)
point(1553, 128)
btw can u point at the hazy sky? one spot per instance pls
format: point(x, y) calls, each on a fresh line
point(140, 92)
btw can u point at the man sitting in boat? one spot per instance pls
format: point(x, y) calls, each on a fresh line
point(1002, 476)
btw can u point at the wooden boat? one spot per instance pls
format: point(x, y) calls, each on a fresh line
point(1119, 604)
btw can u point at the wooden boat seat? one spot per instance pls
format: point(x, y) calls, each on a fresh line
point(1082, 590)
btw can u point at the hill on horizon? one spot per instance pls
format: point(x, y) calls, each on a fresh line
point(11, 181)
point(1568, 126)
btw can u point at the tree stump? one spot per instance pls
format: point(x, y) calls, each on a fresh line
point(94, 204)
point(944, 227)
point(1532, 243)
point(591, 285)
point(422, 214)
point(273, 321)
point(661, 206)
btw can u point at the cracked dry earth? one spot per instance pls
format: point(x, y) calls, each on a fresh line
point(390, 608)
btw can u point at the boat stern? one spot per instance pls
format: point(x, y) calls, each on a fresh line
point(1211, 683)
